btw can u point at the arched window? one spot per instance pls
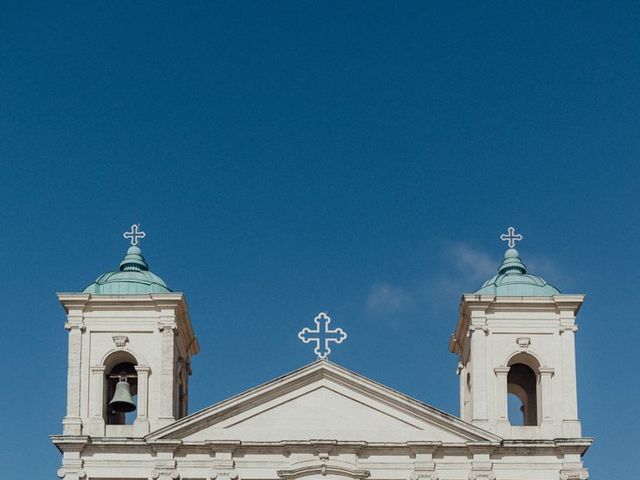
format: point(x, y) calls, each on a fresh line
point(121, 389)
point(522, 390)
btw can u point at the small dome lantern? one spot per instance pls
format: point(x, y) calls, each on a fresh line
point(134, 276)
point(512, 279)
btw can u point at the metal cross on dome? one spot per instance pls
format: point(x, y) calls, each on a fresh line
point(511, 237)
point(135, 234)
point(322, 335)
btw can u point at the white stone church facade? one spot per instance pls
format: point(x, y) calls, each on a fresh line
point(514, 336)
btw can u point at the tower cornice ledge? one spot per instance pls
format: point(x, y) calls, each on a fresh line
point(91, 300)
point(472, 301)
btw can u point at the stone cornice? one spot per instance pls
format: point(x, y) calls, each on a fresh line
point(474, 307)
point(79, 303)
point(473, 302)
point(509, 447)
point(89, 300)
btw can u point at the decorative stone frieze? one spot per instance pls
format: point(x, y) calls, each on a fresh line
point(423, 475)
point(482, 475)
point(477, 328)
point(568, 328)
point(575, 474)
point(164, 474)
point(120, 340)
point(71, 474)
point(222, 475)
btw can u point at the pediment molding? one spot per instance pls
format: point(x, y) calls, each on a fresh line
point(324, 373)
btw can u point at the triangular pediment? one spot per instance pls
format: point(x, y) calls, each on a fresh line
point(322, 401)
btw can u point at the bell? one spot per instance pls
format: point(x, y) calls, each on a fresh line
point(122, 401)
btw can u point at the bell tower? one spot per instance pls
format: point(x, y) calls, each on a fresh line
point(130, 346)
point(515, 341)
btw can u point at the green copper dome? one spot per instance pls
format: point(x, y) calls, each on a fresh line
point(514, 281)
point(133, 278)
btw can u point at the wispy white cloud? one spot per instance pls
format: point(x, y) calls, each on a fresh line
point(471, 262)
point(459, 268)
point(546, 268)
point(385, 298)
point(475, 265)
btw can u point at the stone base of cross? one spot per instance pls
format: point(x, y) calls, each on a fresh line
point(322, 335)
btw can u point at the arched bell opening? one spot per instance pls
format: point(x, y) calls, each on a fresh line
point(121, 389)
point(522, 390)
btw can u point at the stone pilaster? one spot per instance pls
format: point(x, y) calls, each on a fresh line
point(72, 423)
point(502, 412)
point(165, 463)
point(546, 373)
point(142, 417)
point(424, 468)
point(96, 422)
point(481, 464)
point(167, 355)
point(478, 332)
point(72, 463)
point(570, 422)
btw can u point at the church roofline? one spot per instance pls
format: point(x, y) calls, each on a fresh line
point(311, 372)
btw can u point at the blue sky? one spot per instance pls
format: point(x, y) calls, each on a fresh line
point(290, 157)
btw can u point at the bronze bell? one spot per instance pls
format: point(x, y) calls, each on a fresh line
point(122, 401)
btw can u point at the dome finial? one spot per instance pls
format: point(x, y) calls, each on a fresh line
point(133, 260)
point(512, 263)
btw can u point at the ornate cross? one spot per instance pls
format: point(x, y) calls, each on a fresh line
point(135, 234)
point(322, 335)
point(511, 236)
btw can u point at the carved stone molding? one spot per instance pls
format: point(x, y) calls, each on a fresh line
point(574, 474)
point(474, 328)
point(423, 475)
point(568, 328)
point(546, 371)
point(222, 475)
point(523, 342)
point(75, 326)
point(72, 474)
point(167, 328)
point(482, 475)
point(120, 340)
point(323, 468)
point(165, 475)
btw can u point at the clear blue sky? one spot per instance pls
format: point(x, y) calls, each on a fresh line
point(289, 157)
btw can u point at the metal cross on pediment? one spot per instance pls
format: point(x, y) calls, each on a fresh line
point(135, 234)
point(511, 237)
point(322, 335)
